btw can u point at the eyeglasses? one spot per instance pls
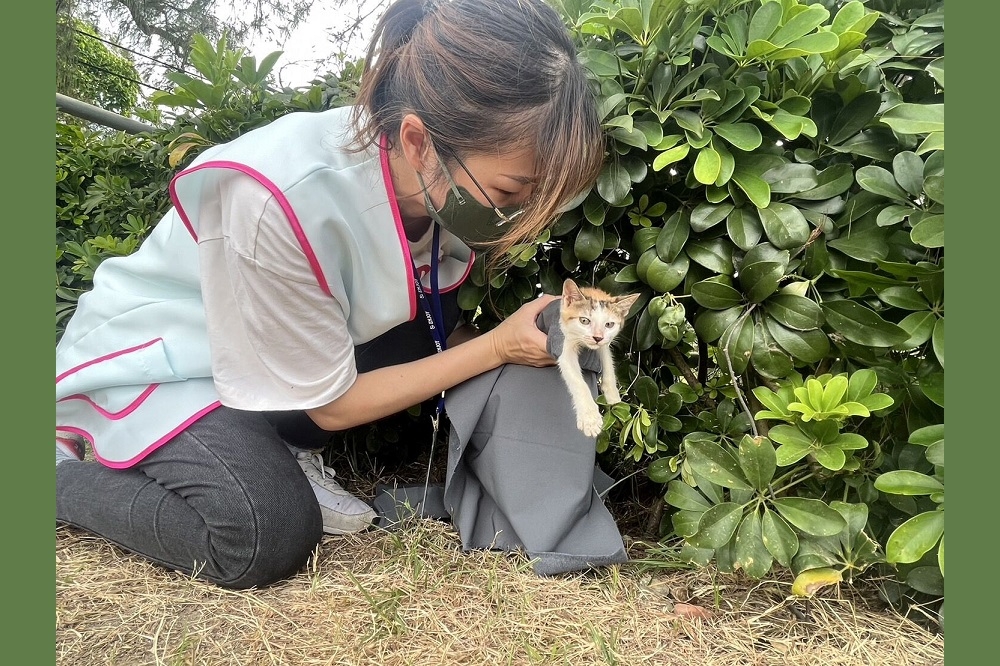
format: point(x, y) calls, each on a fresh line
point(505, 218)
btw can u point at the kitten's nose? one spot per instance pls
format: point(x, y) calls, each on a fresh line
point(598, 338)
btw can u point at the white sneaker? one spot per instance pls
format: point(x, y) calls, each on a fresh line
point(343, 513)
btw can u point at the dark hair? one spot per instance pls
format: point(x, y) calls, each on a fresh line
point(483, 74)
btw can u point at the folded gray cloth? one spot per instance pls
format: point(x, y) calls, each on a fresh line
point(520, 475)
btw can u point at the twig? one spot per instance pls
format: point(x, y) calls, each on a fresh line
point(655, 515)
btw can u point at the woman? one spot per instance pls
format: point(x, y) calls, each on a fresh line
point(299, 273)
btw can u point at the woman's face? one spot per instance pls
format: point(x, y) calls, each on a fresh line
point(495, 179)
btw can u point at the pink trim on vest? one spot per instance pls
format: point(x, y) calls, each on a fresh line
point(106, 357)
point(279, 196)
point(383, 146)
point(114, 416)
point(468, 269)
point(149, 449)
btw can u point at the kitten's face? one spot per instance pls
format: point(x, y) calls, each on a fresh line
point(591, 317)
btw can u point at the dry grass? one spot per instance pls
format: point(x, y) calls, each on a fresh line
point(412, 597)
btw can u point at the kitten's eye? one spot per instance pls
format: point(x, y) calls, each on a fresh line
point(609, 324)
point(585, 321)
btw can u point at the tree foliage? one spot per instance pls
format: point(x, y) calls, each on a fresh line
point(88, 70)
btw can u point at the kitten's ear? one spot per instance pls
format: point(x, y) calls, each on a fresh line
point(624, 303)
point(571, 292)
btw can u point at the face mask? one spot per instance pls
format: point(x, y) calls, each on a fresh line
point(462, 215)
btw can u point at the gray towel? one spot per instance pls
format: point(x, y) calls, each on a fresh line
point(520, 475)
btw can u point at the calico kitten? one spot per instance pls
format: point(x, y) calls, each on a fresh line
point(590, 318)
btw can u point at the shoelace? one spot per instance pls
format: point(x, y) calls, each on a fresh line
point(317, 460)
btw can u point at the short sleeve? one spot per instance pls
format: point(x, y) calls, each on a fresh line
point(278, 341)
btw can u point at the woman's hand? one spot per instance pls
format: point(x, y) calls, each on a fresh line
point(518, 340)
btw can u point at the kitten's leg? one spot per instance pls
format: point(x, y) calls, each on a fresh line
point(609, 383)
point(588, 414)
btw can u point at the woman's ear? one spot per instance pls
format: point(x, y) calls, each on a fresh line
point(414, 141)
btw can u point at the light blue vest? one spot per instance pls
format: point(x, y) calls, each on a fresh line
point(133, 367)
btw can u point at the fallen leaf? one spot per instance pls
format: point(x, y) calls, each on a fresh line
point(692, 611)
point(809, 582)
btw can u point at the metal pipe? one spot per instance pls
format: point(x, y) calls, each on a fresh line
point(96, 114)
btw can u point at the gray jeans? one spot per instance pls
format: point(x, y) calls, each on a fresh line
point(224, 500)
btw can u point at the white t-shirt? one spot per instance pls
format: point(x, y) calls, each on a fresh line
point(278, 342)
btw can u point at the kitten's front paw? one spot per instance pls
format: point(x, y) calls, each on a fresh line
point(590, 423)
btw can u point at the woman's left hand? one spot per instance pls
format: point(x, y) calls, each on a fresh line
point(518, 340)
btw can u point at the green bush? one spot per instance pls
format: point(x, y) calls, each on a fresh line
point(775, 191)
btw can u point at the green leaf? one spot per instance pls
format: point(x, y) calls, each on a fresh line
point(795, 312)
point(919, 327)
point(830, 182)
point(715, 294)
point(941, 555)
point(764, 22)
point(830, 457)
point(800, 24)
point(715, 254)
point(767, 357)
point(736, 344)
point(904, 298)
point(668, 157)
point(934, 188)
point(613, 183)
point(854, 117)
point(908, 482)
point(683, 496)
point(779, 539)
point(911, 540)
point(932, 386)
point(671, 239)
point(810, 515)
point(707, 166)
point(791, 177)
point(938, 340)
point(744, 136)
point(784, 225)
point(877, 180)
point(714, 463)
point(744, 228)
point(915, 118)
point(908, 170)
point(862, 325)
point(662, 276)
point(647, 391)
point(761, 279)
point(927, 435)
point(751, 554)
point(589, 242)
point(752, 185)
point(717, 526)
point(706, 215)
point(806, 346)
point(929, 232)
point(757, 460)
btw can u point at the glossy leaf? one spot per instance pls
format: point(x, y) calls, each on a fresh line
point(750, 552)
point(757, 460)
point(879, 181)
point(810, 515)
point(714, 463)
point(662, 276)
point(831, 182)
point(855, 117)
point(717, 526)
point(809, 582)
point(744, 136)
point(589, 242)
point(683, 496)
point(744, 228)
point(796, 312)
point(779, 539)
point(908, 118)
point(613, 183)
point(760, 280)
point(715, 294)
point(715, 254)
point(938, 340)
point(768, 359)
point(911, 540)
point(862, 325)
point(784, 225)
point(919, 327)
point(707, 166)
point(753, 186)
point(908, 170)
point(806, 346)
point(929, 232)
point(907, 482)
point(705, 216)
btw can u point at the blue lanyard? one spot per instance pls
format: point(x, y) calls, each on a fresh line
point(432, 308)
